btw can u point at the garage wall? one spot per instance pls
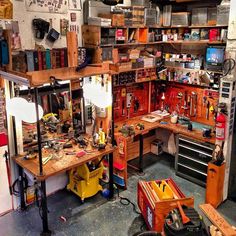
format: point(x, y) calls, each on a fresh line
point(25, 18)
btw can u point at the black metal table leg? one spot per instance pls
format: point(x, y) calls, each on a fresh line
point(21, 189)
point(111, 187)
point(141, 153)
point(46, 231)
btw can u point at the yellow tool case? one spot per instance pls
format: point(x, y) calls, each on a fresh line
point(84, 182)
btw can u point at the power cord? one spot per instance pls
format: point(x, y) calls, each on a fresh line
point(38, 195)
point(15, 186)
point(125, 201)
point(228, 66)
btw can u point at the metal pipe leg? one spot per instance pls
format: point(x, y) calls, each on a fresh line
point(111, 187)
point(21, 189)
point(141, 153)
point(46, 231)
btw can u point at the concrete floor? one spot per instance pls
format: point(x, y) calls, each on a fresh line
point(100, 217)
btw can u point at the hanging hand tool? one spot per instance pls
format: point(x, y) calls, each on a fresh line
point(195, 104)
point(207, 110)
point(204, 101)
point(179, 96)
point(123, 108)
point(185, 107)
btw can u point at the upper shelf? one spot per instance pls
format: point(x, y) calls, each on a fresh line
point(39, 78)
point(163, 27)
point(164, 42)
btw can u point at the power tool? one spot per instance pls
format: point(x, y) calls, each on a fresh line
point(174, 223)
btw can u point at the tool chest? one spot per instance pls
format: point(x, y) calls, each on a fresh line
point(155, 206)
point(192, 159)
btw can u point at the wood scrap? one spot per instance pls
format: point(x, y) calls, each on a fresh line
point(224, 227)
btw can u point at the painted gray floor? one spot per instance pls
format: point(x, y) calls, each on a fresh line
point(100, 217)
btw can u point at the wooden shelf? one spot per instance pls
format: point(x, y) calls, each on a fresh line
point(207, 26)
point(191, 85)
point(129, 44)
point(38, 78)
point(136, 82)
point(191, 26)
point(194, 42)
point(113, 72)
point(165, 27)
point(189, 69)
point(164, 42)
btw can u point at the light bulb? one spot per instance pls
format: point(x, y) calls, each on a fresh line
point(102, 99)
point(163, 96)
point(99, 95)
point(29, 115)
point(15, 106)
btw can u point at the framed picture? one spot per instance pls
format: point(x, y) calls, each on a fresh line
point(75, 5)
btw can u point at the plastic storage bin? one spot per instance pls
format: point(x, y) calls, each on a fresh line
point(83, 182)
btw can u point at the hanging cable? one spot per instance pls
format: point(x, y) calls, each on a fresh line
point(228, 66)
point(125, 201)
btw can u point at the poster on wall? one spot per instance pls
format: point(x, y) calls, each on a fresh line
point(75, 5)
point(55, 6)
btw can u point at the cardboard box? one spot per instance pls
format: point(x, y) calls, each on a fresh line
point(99, 21)
point(116, 19)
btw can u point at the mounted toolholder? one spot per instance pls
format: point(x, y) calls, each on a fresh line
point(40, 27)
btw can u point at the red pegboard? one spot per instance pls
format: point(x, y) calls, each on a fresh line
point(139, 92)
point(177, 104)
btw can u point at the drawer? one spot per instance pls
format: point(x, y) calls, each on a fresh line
point(195, 153)
point(204, 147)
point(191, 174)
point(199, 166)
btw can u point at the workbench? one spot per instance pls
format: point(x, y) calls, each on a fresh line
point(67, 162)
point(56, 166)
point(139, 144)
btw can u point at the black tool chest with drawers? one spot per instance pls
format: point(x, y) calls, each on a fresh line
point(192, 159)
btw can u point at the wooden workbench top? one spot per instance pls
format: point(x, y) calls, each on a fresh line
point(67, 162)
point(175, 128)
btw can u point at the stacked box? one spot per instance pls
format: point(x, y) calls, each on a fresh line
point(134, 16)
point(150, 16)
point(99, 21)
